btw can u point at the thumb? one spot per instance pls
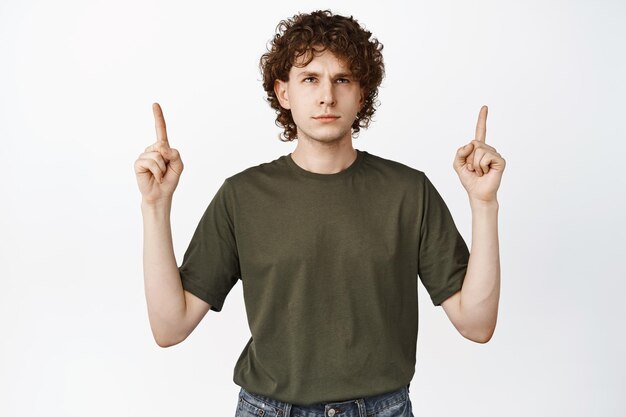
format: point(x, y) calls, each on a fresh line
point(461, 154)
point(175, 163)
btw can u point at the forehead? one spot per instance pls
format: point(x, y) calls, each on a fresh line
point(320, 60)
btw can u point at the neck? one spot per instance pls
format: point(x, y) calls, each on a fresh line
point(324, 158)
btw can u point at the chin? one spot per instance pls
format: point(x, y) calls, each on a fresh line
point(328, 136)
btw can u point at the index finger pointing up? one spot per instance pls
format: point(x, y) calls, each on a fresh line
point(159, 124)
point(481, 126)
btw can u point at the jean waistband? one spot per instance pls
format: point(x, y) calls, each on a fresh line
point(261, 405)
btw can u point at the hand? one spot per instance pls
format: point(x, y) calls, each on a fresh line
point(158, 169)
point(479, 165)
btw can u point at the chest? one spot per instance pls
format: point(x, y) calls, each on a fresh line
point(322, 230)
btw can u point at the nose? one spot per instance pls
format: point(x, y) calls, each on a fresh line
point(327, 94)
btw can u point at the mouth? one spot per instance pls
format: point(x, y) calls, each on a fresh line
point(326, 118)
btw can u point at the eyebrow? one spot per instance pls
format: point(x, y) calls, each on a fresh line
point(315, 74)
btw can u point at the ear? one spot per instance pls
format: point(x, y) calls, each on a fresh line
point(362, 100)
point(280, 89)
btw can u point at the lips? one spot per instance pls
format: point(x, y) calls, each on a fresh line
point(326, 117)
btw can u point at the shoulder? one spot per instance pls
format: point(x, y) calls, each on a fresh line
point(260, 172)
point(394, 170)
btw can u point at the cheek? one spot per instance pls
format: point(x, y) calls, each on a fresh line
point(298, 106)
point(296, 110)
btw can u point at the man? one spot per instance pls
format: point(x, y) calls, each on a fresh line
point(328, 240)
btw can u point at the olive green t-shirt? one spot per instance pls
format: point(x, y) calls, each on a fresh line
point(329, 266)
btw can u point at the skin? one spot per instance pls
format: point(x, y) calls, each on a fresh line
point(173, 312)
point(324, 86)
point(159, 167)
point(474, 309)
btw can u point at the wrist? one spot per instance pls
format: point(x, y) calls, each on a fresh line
point(160, 205)
point(484, 204)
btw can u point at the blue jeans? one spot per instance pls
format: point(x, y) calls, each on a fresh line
point(391, 404)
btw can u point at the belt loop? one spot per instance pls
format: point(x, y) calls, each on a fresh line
point(361, 404)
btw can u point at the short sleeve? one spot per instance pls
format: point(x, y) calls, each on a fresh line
point(210, 267)
point(443, 254)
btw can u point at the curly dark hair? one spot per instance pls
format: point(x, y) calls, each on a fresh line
point(313, 33)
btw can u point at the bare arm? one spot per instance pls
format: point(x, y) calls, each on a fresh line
point(474, 309)
point(173, 312)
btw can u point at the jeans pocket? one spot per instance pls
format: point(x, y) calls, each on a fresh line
point(399, 409)
point(249, 406)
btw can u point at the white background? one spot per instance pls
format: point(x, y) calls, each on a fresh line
point(77, 79)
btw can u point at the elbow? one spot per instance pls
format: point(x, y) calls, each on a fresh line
point(166, 342)
point(163, 344)
point(165, 335)
point(481, 337)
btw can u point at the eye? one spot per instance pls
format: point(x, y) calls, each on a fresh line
point(343, 80)
point(308, 78)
